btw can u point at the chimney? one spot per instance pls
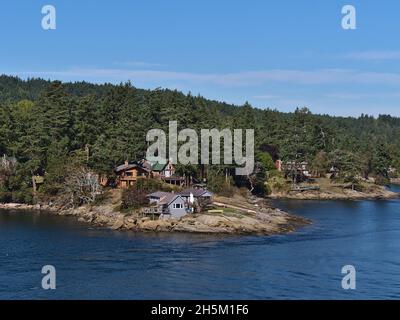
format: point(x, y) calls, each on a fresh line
point(191, 198)
point(126, 162)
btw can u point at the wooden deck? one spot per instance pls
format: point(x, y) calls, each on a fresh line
point(154, 210)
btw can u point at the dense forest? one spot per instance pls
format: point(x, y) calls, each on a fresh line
point(48, 126)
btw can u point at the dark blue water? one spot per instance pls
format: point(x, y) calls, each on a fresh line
point(103, 264)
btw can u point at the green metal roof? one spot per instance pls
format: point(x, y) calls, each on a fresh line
point(158, 166)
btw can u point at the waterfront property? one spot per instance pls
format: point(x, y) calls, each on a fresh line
point(167, 205)
point(197, 195)
point(163, 170)
point(128, 173)
point(176, 205)
point(300, 168)
point(166, 172)
point(297, 171)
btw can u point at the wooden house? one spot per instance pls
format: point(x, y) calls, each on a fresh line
point(196, 195)
point(129, 173)
point(167, 205)
point(163, 170)
point(166, 172)
point(300, 167)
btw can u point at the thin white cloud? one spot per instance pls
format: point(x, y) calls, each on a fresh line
point(373, 55)
point(379, 95)
point(251, 78)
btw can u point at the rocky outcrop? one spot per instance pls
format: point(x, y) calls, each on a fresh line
point(239, 217)
point(263, 221)
point(342, 194)
point(395, 181)
point(21, 206)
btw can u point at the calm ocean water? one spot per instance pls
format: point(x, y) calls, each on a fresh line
point(104, 264)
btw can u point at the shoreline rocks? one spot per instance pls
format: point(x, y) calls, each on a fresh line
point(378, 194)
point(19, 206)
point(265, 221)
point(241, 215)
point(395, 181)
point(261, 223)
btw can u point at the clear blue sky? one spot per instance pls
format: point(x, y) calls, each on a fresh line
point(277, 54)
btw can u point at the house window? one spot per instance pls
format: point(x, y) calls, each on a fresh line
point(177, 206)
point(128, 174)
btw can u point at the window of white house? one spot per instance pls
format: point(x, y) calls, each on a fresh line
point(177, 206)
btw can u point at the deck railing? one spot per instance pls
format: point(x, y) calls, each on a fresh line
point(155, 210)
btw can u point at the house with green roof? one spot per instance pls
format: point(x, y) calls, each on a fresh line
point(129, 172)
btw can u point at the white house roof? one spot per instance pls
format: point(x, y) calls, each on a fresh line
point(195, 192)
point(164, 197)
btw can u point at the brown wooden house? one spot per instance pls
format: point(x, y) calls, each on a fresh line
point(129, 173)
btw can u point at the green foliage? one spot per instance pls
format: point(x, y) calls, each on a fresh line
point(136, 196)
point(349, 165)
point(381, 180)
point(381, 163)
point(219, 183)
point(265, 160)
point(152, 185)
point(5, 194)
point(59, 167)
point(23, 195)
point(320, 164)
point(266, 189)
point(277, 183)
point(43, 124)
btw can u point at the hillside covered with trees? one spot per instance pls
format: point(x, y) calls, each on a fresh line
point(47, 127)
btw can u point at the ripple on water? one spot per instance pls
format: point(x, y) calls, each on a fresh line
point(305, 264)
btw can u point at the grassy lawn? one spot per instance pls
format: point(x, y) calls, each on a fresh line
point(229, 212)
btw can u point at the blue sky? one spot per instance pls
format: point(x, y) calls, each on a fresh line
point(278, 54)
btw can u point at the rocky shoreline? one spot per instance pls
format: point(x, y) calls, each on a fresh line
point(264, 221)
point(395, 181)
point(22, 206)
point(377, 193)
point(241, 216)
